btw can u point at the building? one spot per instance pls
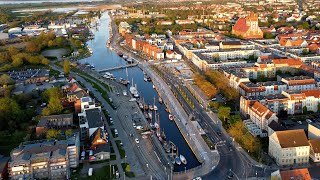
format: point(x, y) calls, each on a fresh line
point(261, 89)
point(261, 115)
point(54, 121)
point(314, 131)
point(248, 28)
point(99, 145)
point(124, 28)
point(4, 167)
point(289, 147)
point(295, 174)
point(315, 150)
point(45, 159)
point(299, 82)
point(89, 121)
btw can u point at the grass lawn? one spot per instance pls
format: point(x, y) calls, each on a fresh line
point(102, 173)
point(121, 150)
point(126, 167)
point(208, 141)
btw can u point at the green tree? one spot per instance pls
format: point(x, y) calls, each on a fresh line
point(10, 113)
point(234, 118)
point(224, 112)
point(6, 80)
point(52, 93)
point(305, 51)
point(66, 67)
point(52, 133)
point(17, 61)
point(305, 110)
point(68, 132)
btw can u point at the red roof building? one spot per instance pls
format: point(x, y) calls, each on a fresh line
point(248, 28)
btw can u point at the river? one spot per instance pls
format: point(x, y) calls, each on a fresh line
point(103, 57)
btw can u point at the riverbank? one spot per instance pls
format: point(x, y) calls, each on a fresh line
point(209, 159)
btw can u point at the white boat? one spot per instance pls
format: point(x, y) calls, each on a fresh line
point(178, 160)
point(132, 100)
point(130, 60)
point(150, 115)
point(145, 78)
point(156, 125)
point(171, 117)
point(90, 50)
point(153, 87)
point(125, 57)
point(133, 90)
point(183, 159)
point(154, 105)
point(124, 92)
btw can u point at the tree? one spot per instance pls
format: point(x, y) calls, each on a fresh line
point(305, 51)
point(10, 113)
point(32, 47)
point(66, 66)
point(17, 61)
point(12, 50)
point(4, 57)
point(68, 132)
point(54, 107)
point(224, 112)
point(52, 133)
point(268, 35)
point(234, 118)
point(6, 80)
point(52, 93)
point(305, 110)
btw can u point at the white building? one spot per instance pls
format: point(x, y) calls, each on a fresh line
point(289, 147)
point(315, 150)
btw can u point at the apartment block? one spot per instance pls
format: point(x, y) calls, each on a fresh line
point(289, 147)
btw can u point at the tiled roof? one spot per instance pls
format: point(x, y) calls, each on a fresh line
point(295, 174)
point(259, 109)
point(315, 93)
point(241, 25)
point(292, 138)
point(315, 145)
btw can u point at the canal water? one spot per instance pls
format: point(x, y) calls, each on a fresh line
point(103, 57)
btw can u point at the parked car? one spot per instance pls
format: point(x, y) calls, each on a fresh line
point(299, 122)
point(309, 121)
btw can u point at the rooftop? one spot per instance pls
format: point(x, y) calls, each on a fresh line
point(292, 138)
point(315, 145)
point(94, 117)
point(295, 174)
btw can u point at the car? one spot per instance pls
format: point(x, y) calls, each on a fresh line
point(83, 154)
point(139, 127)
point(197, 178)
point(213, 99)
point(230, 174)
point(134, 125)
point(309, 121)
point(90, 153)
point(136, 140)
point(299, 122)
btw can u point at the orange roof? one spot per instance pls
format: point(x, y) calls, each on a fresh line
point(315, 93)
point(241, 25)
point(287, 62)
point(301, 82)
point(295, 174)
point(259, 109)
point(292, 138)
point(313, 47)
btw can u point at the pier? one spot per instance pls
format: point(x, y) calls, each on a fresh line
point(118, 67)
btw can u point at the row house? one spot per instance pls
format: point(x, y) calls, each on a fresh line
point(315, 150)
point(290, 147)
point(153, 51)
point(261, 116)
point(263, 88)
point(299, 82)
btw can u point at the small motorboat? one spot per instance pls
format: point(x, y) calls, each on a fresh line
point(160, 100)
point(149, 78)
point(166, 147)
point(146, 115)
point(178, 160)
point(141, 105)
point(153, 86)
point(155, 108)
point(124, 92)
point(156, 125)
point(150, 107)
point(125, 57)
point(145, 78)
point(173, 146)
point(150, 115)
point(171, 118)
point(183, 159)
point(146, 106)
point(163, 135)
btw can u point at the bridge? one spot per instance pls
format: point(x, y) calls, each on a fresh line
point(118, 67)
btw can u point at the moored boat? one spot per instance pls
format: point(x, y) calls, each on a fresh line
point(178, 160)
point(150, 107)
point(173, 146)
point(183, 159)
point(145, 78)
point(149, 78)
point(160, 100)
point(171, 118)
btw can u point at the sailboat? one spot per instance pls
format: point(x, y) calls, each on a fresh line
point(150, 115)
point(150, 107)
point(154, 105)
point(177, 159)
point(173, 146)
point(153, 86)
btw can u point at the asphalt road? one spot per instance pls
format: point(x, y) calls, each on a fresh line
point(231, 156)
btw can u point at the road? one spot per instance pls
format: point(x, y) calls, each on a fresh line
point(231, 155)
